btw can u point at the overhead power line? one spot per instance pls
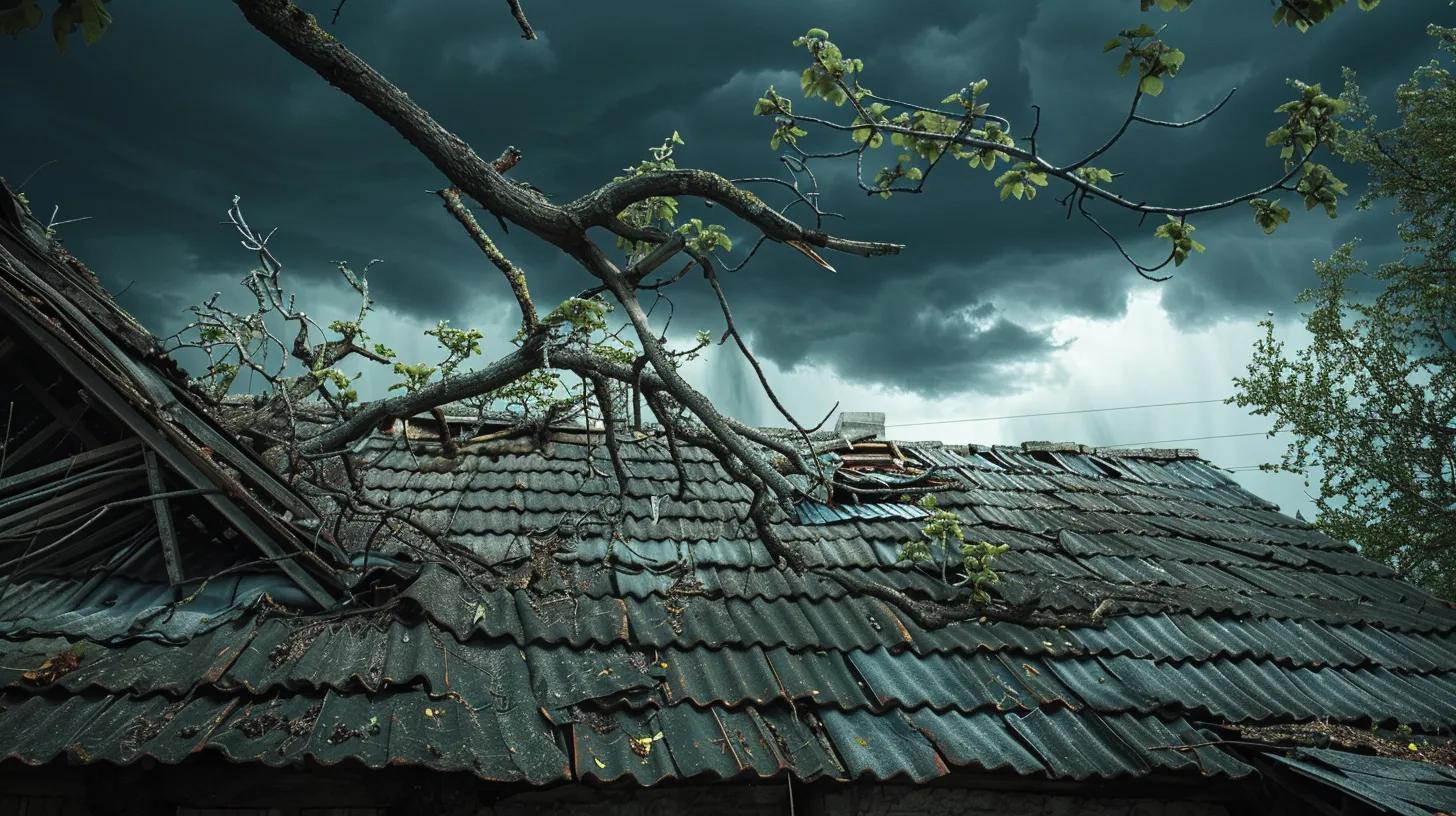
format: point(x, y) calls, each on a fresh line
point(1189, 439)
point(1051, 413)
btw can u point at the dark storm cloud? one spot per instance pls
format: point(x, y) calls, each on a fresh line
point(162, 122)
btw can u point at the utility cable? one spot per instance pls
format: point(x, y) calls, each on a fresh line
point(1050, 413)
point(1188, 439)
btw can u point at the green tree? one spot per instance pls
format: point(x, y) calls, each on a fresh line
point(1371, 401)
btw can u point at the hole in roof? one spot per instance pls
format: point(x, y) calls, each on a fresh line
point(1112, 473)
point(1046, 457)
point(869, 480)
point(991, 456)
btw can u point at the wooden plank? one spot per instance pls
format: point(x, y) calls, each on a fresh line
point(72, 504)
point(71, 464)
point(165, 530)
point(102, 389)
point(223, 448)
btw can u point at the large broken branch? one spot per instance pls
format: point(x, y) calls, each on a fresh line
point(298, 33)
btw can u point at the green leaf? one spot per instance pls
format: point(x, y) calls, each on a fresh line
point(1151, 85)
point(21, 17)
point(94, 20)
point(1112, 45)
point(63, 23)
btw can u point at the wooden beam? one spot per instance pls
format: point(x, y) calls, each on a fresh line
point(173, 455)
point(165, 530)
point(223, 448)
point(71, 464)
point(72, 504)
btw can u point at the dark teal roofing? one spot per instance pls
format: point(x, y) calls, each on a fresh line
point(683, 650)
point(1390, 785)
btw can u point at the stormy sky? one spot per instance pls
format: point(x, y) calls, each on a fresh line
point(993, 310)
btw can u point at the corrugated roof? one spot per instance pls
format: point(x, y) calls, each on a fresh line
point(684, 650)
point(1392, 785)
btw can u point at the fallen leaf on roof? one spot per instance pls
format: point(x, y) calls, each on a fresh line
point(57, 665)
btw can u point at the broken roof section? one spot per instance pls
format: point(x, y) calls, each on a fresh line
point(107, 453)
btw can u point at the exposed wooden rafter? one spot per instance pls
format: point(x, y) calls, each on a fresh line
point(177, 457)
point(80, 461)
point(165, 529)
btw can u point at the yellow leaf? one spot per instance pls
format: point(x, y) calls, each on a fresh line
point(1413, 747)
point(600, 764)
point(861, 741)
point(429, 713)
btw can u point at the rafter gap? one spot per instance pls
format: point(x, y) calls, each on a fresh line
point(42, 437)
point(48, 401)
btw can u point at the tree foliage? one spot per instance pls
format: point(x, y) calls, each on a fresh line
point(624, 381)
point(1371, 400)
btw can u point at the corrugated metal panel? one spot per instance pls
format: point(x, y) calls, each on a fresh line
point(141, 667)
point(941, 682)
point(1159, 738)
point(1391, 785)
point(1078, 746)
point(565, 677)
point(396, 727)
point(729, 676)
point(882, 747)
point(822, 676)
point(979, 740)
point(117, 608)
point(622, 744)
